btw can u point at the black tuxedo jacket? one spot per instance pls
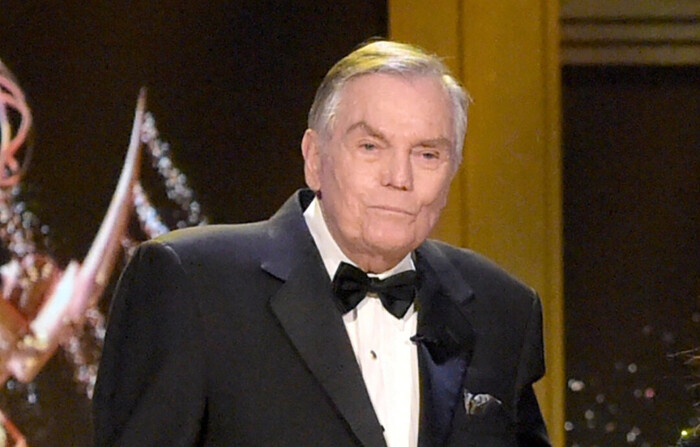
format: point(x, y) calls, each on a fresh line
point(230, 336)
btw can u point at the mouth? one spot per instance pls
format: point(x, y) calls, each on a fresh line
point(392, 210)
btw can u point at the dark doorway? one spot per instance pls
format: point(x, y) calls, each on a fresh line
point(632, 260)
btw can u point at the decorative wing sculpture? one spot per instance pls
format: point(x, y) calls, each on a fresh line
point(44, 306)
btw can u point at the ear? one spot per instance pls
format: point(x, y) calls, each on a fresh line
point(311, 150)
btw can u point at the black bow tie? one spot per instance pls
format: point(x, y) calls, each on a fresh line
point(351, 285)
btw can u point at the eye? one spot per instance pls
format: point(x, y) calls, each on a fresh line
point(368, 146)
point(428, 154)
point(430, 157)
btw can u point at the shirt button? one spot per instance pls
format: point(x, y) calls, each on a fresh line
point(373, 354)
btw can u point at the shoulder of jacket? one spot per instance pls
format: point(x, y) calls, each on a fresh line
point(477, 268)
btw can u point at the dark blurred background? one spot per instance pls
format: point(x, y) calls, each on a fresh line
point(631, 147)
point(229, 83)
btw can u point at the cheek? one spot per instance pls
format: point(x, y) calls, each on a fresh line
point(441, 200)
point(434, 202)
point(435, 193)
point(353, 190)
point(345, 196)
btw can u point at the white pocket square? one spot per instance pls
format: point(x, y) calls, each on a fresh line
point(480, 404)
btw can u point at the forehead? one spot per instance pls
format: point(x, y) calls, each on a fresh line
point(396, 99)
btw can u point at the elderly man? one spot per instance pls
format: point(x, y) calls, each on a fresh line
point(335, 322)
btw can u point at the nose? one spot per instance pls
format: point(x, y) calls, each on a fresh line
point(398, 171)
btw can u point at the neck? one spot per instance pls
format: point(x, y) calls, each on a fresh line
point(374, 263)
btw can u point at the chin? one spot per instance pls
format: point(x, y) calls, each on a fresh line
point(393, 244)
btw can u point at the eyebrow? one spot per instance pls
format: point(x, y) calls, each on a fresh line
point(436, 142)
point(432, 142)
point(369, 129)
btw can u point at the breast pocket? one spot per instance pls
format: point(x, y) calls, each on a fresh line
point(484, 428)
point(482, 418)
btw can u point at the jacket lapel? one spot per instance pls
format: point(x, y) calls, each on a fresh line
point(445, 341)
point(305, 308)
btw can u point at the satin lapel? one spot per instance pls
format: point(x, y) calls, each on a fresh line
point(443, 308)
point(305, 308)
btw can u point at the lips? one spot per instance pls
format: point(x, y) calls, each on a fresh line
point(392, 209)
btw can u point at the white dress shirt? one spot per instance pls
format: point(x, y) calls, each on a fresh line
point(386, 356)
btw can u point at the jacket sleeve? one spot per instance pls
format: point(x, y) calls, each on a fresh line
point(531, 428)
point(150, 385)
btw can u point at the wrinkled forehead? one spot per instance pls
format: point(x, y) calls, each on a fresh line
point(376, 86)
point(417, 99)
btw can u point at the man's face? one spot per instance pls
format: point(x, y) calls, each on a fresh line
point(384, 170)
